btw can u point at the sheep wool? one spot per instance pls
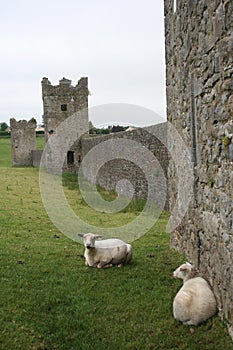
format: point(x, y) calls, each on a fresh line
point(195, 302)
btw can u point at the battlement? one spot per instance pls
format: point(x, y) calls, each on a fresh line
point(47, 87)
point(63, 100)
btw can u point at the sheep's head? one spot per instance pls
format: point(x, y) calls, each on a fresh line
point(89, 239)
point(184, 272)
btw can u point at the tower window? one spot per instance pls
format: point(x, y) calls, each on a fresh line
point(70, 157)
point(64, 107)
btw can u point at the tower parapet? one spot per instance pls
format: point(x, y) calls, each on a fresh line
point(63, 100)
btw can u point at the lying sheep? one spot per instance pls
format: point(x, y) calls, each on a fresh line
point(195, 302)
point(105, 253)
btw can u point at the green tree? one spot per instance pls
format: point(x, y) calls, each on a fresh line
point(3, 126)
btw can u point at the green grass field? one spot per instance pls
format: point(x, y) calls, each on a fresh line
point(5, 152)
point(51, 301)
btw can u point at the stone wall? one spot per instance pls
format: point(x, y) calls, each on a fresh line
point(23, 141)
point(65, 113)
point(199, 67)
point(125, 166)
point(36, 157)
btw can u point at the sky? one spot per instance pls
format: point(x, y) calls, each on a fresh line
point(117, 44)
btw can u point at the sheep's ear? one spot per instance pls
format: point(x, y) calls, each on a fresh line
point(188, 264)
point(80, 235)
point(98, 236)
point(183, 267)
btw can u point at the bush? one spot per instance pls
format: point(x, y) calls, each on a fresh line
point(5, 134)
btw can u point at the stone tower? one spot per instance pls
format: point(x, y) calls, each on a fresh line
point(63, 100)
point(23, 141)
point(199, 78)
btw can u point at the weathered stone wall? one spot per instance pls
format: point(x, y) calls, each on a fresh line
point(36, 157)
point(121, 167)
point(199, 67)
point(23, 141)
point(63, 100)
point(60, 103)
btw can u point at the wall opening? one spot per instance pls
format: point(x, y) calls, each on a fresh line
point(70, 157)
point(64, 107)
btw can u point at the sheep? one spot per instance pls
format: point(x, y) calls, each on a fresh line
point(195, 302)
point(105, 253)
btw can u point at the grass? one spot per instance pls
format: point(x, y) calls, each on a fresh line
point(5, 152)
point(40, 143)
point(51, 301)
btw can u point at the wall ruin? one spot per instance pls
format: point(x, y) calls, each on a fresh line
point(73, 99)
point(23, 141)
point(121, 168)
point(63, 100)
point(199, 67)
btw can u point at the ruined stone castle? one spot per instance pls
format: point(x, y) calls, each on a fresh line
point(64, 100)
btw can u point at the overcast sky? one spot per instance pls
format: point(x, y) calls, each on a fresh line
point(117, 44)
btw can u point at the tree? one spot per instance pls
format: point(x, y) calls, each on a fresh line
point(117, 128)
point(91, 126)
point(3, 126)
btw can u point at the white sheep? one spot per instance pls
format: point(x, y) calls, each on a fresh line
point(105, 253)
point(195, 301)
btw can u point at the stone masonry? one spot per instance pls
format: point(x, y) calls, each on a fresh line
point(62, 101)
point(199, 67)
point(120, 168)
point(23, 141)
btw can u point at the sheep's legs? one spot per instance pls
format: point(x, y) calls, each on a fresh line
point(103, 265)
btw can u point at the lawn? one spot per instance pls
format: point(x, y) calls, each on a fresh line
point(5, 152)
point(51, 301)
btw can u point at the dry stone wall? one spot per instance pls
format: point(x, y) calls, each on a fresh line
point(199, 73)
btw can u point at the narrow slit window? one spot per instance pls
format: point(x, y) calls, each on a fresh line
point(64, 107)
point(70, 157)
